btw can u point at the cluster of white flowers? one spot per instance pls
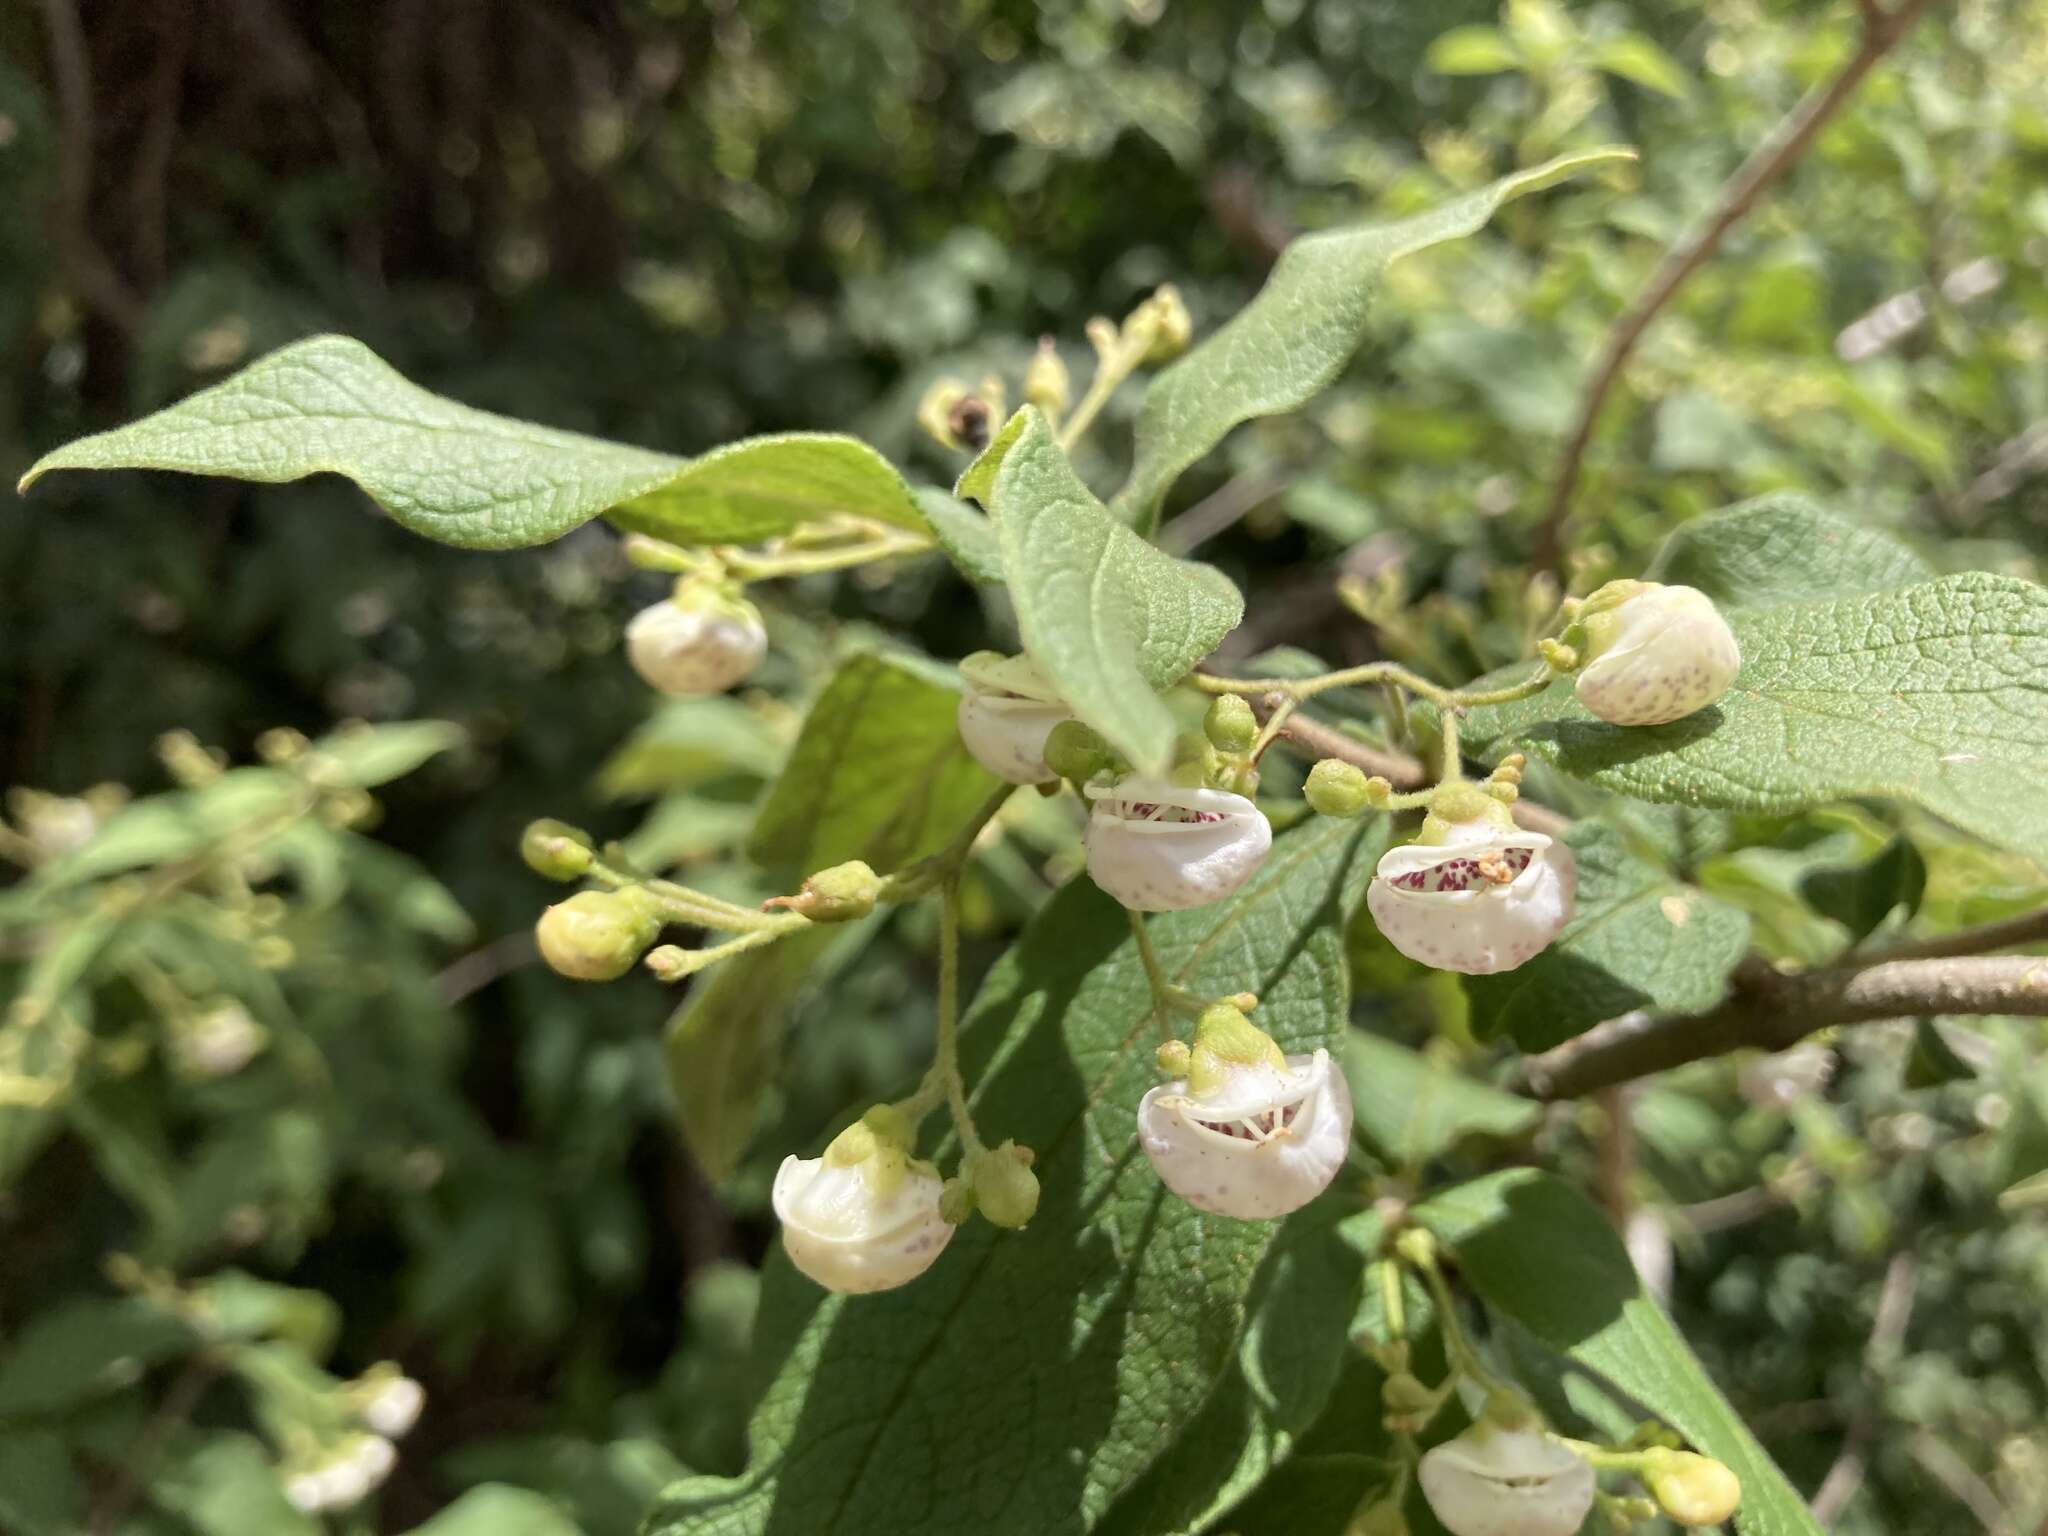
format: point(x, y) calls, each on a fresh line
point(356, 1470)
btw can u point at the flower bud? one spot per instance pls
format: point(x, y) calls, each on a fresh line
point(387, 1401)
point(1491, 1481)
point(557, 850)
point(217, 1042)
point(1172, 327)
point(1653, 654)
point(865, 1216)
point(1074, 751)
point(836, 895)
point(1230, 724)
point(1158, 846)
point(1690, 1488)
point(1005, 1188)
point(700, 641)
point(1006, 714)
point(935, 411)
point(1476, 894)
point(1337, 788)
point(1248, 1133)
point(596, 935)
point(1046, 384)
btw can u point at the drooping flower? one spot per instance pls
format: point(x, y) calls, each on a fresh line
point(702, 640)
point(1653, 654)
point(1492, 1481)
point(865, 1216)
point(1005, 715)
point(1249, 1132)
point(1475, 895)
point(1157, 846)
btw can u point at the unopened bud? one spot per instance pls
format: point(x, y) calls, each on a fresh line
point(935, 412)
point(836, 895)
point(1173, 1058)
point(1230, 724)
point(1046, 384)
point(1172, 327)
point(1005, 1188)
point(1074, 751)
point(1690, 1488)
point(556, 849)
point(1337, 788)
point(596, 935)
point(280, 744)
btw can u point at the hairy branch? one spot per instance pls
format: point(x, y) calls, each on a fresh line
point(1771, 1011)
point(1775, 155)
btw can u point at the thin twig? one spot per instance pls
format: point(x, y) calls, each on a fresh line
point(1771, 1011)
point(185, 1391)
point(2027, 928)
point(471, 973)
point(1222, 508)
point(94, 275)
point(1887, 1334)
point(1778, 153)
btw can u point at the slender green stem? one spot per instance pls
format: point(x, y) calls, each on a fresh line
point(1397, 714)
point(919, 878)
point(1535, 683)
point(1165, 995)
point(768, 567)
point(681, 904)
point(1305, 688)
point(948, 1060)
point(1464, 1358)
point(1275, 724)
point(1454, 764)
point(1111, 369)
point(1392, 1301)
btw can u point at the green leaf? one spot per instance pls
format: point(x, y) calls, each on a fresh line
point(689, 742)
point(364, 756)
point(1933, 1061)
point(965, 535)
point(1638, 938)
point(878, 773)
point(1861, 896)
point(1028, 1380)
point(1108, 618)
point(1537, 1251)
point(329, 405)
point(228, 1487)
point(1413, 1108)
point(40, 1491)
point(1936, 694)
point(753, 490)
point(1295, 336)
point(1472, 51)
point(1636, 58)
point(498, 1510)
point(83, 1349)
point(1784, 549)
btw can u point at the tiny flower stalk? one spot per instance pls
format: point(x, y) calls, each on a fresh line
point(1474, 893)
point(1249, 1132)
point(1006, 714)
point(705, 639)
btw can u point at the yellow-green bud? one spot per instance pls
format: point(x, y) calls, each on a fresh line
point(596, 935)
point(1172, 327)
point(836, 895)
point(935, 411)
point(1073, 751)
point(556, 849)
point(1230, 724)
point(1045, 382)
point(1195, 761)
point(1225, 1038)
point(1690, 1488)
point(1337, 788)
point(1005, 1188)
point(1173, 1058)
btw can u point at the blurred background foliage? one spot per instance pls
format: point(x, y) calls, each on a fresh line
point(675, 223)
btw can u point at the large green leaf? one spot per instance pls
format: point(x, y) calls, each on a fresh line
point(878, 773)
point(497, 1510)
point(1784, 549)
point(1540, 1253)
point(1412, 1108)
point(1935, 694)
point(1295, 336)
point(1028, 1380)
point(1638, 939)
point(468, 477)
point(1109, 619)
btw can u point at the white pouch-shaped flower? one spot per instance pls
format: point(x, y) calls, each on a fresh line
point(700, 641)
point(1157, 846)
point(1654, 654)
point(1506, 1482)
point(1481, 897)
point(1005, 715)
point(1263, 1142)
point(864, 1217)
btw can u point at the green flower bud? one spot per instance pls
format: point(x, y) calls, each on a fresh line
point(1046, 384)
point(1690, 1488)
point(1173, 1058)
point(1230, 724)
point(1337, 788)
point(1172, 327)
point(1073, 751)
point(836, 895)
point(556, 849)
point(1005, 1188)
point(596, 935)
point(1225, 1038)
